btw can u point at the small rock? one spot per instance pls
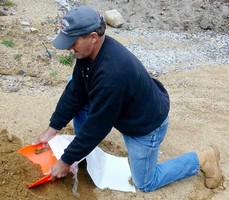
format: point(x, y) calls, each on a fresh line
point(21, 72)
point(2, 13)
point(33, 30)
point(206, 24)
point(13, 89)
point(10, 137)
point(25, 23)
point(114, 18)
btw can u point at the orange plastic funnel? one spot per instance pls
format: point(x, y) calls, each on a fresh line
point(42, 157)
point(42, 180)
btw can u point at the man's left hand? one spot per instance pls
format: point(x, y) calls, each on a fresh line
point(59, 169)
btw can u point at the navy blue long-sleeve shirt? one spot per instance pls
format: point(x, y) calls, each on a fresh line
point(121, 94)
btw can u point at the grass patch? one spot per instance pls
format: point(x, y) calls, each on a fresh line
point(8, 43)
point(66, 59)
point(9, 3)
point(17, 56)
point(53, 73)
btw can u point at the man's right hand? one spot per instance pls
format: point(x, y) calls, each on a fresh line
point(47, 135)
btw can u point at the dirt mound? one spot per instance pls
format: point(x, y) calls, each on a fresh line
point(171, 15)
point(16, 172)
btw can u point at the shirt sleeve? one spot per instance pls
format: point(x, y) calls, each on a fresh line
point(71, 101)
point(105, 107)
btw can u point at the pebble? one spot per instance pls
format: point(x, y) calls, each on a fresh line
point(206, 24)
point(13, 88)
point(25, 23)
point(21, 72)
point(33, 30)
point(2, 13)
point(10, 137)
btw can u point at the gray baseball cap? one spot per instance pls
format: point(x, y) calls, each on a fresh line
point(79, 21)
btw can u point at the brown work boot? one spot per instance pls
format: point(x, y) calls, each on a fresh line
point(209, 165)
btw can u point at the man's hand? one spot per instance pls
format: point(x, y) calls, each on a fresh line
point(47, 135)
point(59, 169)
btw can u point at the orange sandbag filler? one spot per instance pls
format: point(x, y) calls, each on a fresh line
point(42, 157)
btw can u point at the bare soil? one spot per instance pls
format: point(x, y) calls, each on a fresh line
point(31, 86)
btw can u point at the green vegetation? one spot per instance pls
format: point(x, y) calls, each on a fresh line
point(17, 56)
point(130, 28)
point(9, 3)
point(53, 73)
point(8, 43)
point(66, 59)
point(9, 32)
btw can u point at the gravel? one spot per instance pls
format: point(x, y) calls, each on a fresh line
point(170, 51)
point(165, 51)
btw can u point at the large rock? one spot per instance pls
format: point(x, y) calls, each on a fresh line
point(114, 18)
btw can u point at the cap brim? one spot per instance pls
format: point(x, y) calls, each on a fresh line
point(61, 41)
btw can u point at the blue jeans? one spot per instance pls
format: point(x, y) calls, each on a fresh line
point(80, 118)
point(147, 174)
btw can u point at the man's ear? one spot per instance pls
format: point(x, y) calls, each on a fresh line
point(94, 37)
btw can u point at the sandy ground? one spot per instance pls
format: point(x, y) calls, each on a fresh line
point(198, 118)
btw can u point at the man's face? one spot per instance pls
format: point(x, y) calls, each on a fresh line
point(83, 47)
